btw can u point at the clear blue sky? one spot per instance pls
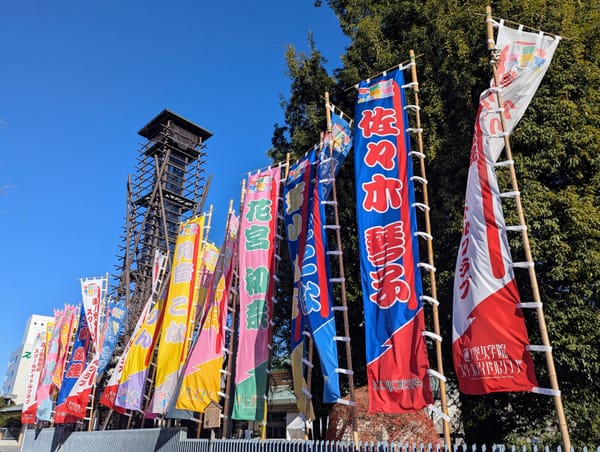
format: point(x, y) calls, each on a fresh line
point(79, 79)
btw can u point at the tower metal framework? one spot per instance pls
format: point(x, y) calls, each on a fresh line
point(168, 187)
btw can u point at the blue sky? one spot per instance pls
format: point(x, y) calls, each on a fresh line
point(79, 79)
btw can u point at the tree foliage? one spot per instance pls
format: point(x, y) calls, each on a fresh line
point(556, 151)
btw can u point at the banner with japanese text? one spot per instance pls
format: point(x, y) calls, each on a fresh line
point(256, 263)
point(178, 317)
point(201, 379)
point(92, 293)
point(74, 367)
point(489, 338)
point(45, 392)
point(297, 193)
point(113, 327)
point(64, 344)
point(125, 388)
point(397, 361)
point(316, 296)
point(28, 414)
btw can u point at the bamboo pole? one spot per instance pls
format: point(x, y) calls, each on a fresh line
point(232, 339)
point(263, 433)
point(430, 257)
point(562, 422)
point(342, 275)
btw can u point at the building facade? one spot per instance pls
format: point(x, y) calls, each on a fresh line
point(19, 365)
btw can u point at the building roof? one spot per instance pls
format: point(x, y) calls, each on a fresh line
point(151, 129)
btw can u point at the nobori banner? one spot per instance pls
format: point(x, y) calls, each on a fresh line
point(397, 360)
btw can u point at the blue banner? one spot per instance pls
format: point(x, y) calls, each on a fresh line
point(113, 329)
point(75, 367)
point(397, 359)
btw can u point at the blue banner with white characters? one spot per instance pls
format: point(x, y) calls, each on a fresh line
point(397, 359)
point(75, 367)
point(113, 329)
point(316, 296)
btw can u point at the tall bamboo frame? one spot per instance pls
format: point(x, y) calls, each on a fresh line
point(562, 422)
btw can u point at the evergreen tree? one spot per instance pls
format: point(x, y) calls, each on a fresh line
point(555, 148)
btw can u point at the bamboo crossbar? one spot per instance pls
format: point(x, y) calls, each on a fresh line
point(527, 249)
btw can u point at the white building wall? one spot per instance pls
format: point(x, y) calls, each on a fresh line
point(19, 365)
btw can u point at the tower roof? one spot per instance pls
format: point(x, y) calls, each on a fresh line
point(151, 129)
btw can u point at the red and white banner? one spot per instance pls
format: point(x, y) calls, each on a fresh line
point(489, 340)
point(28, 415)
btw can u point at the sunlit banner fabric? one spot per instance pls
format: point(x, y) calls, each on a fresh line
point(125, 389)
point(74, 368)
point(45, 392)
point(113, 327)
point(297, 193)
point(201, 378)
point(64, 344)
point(91, 294)
point(397, 361)
point(315, 292)
point(179, 312)
point(489, 337)
point(256, 265)
point(28, 415)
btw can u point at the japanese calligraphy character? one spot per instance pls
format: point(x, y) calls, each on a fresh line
point(257, 237)
point(179, 306)
point(175, 332)
point(257, 280)
point(144, 339)
point(379, 121)
point(385, 244)
point(257, 315)
point(382, 153)
point(294, 228)
point(294, 198)
point(382, 193)
point(259, 210)
point(390, 287)
point(185, 251)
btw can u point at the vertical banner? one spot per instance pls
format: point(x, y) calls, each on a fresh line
point(397, 359)
point(91, 294)
point(45, 393)
point(297, 193)
point(74, 368)
point(316, 296)
point(64, 344)
point(176, 328)
point(125, 389)
point(256, 263)
point(113, 327)
point(28, 415)
point(489, 337)
point(201, 381)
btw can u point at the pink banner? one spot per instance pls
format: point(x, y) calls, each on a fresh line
point(256, 255)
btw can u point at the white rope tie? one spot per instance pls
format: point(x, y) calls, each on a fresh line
point(430, 300)
point(546, 391)
point(539, 348)
point(429, 334)
point(530, 305)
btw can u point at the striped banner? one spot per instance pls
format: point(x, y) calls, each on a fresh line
point(489, 338)
point(201, 380)
point(257, 252)
point(397, 361)
point(64, 344)
point(297, 193)
point(45, 393)
point(178, 318)
point(74, 369)
point(125, 389)
point(28, 415)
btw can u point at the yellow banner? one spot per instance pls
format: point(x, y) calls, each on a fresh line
point(179, 313)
